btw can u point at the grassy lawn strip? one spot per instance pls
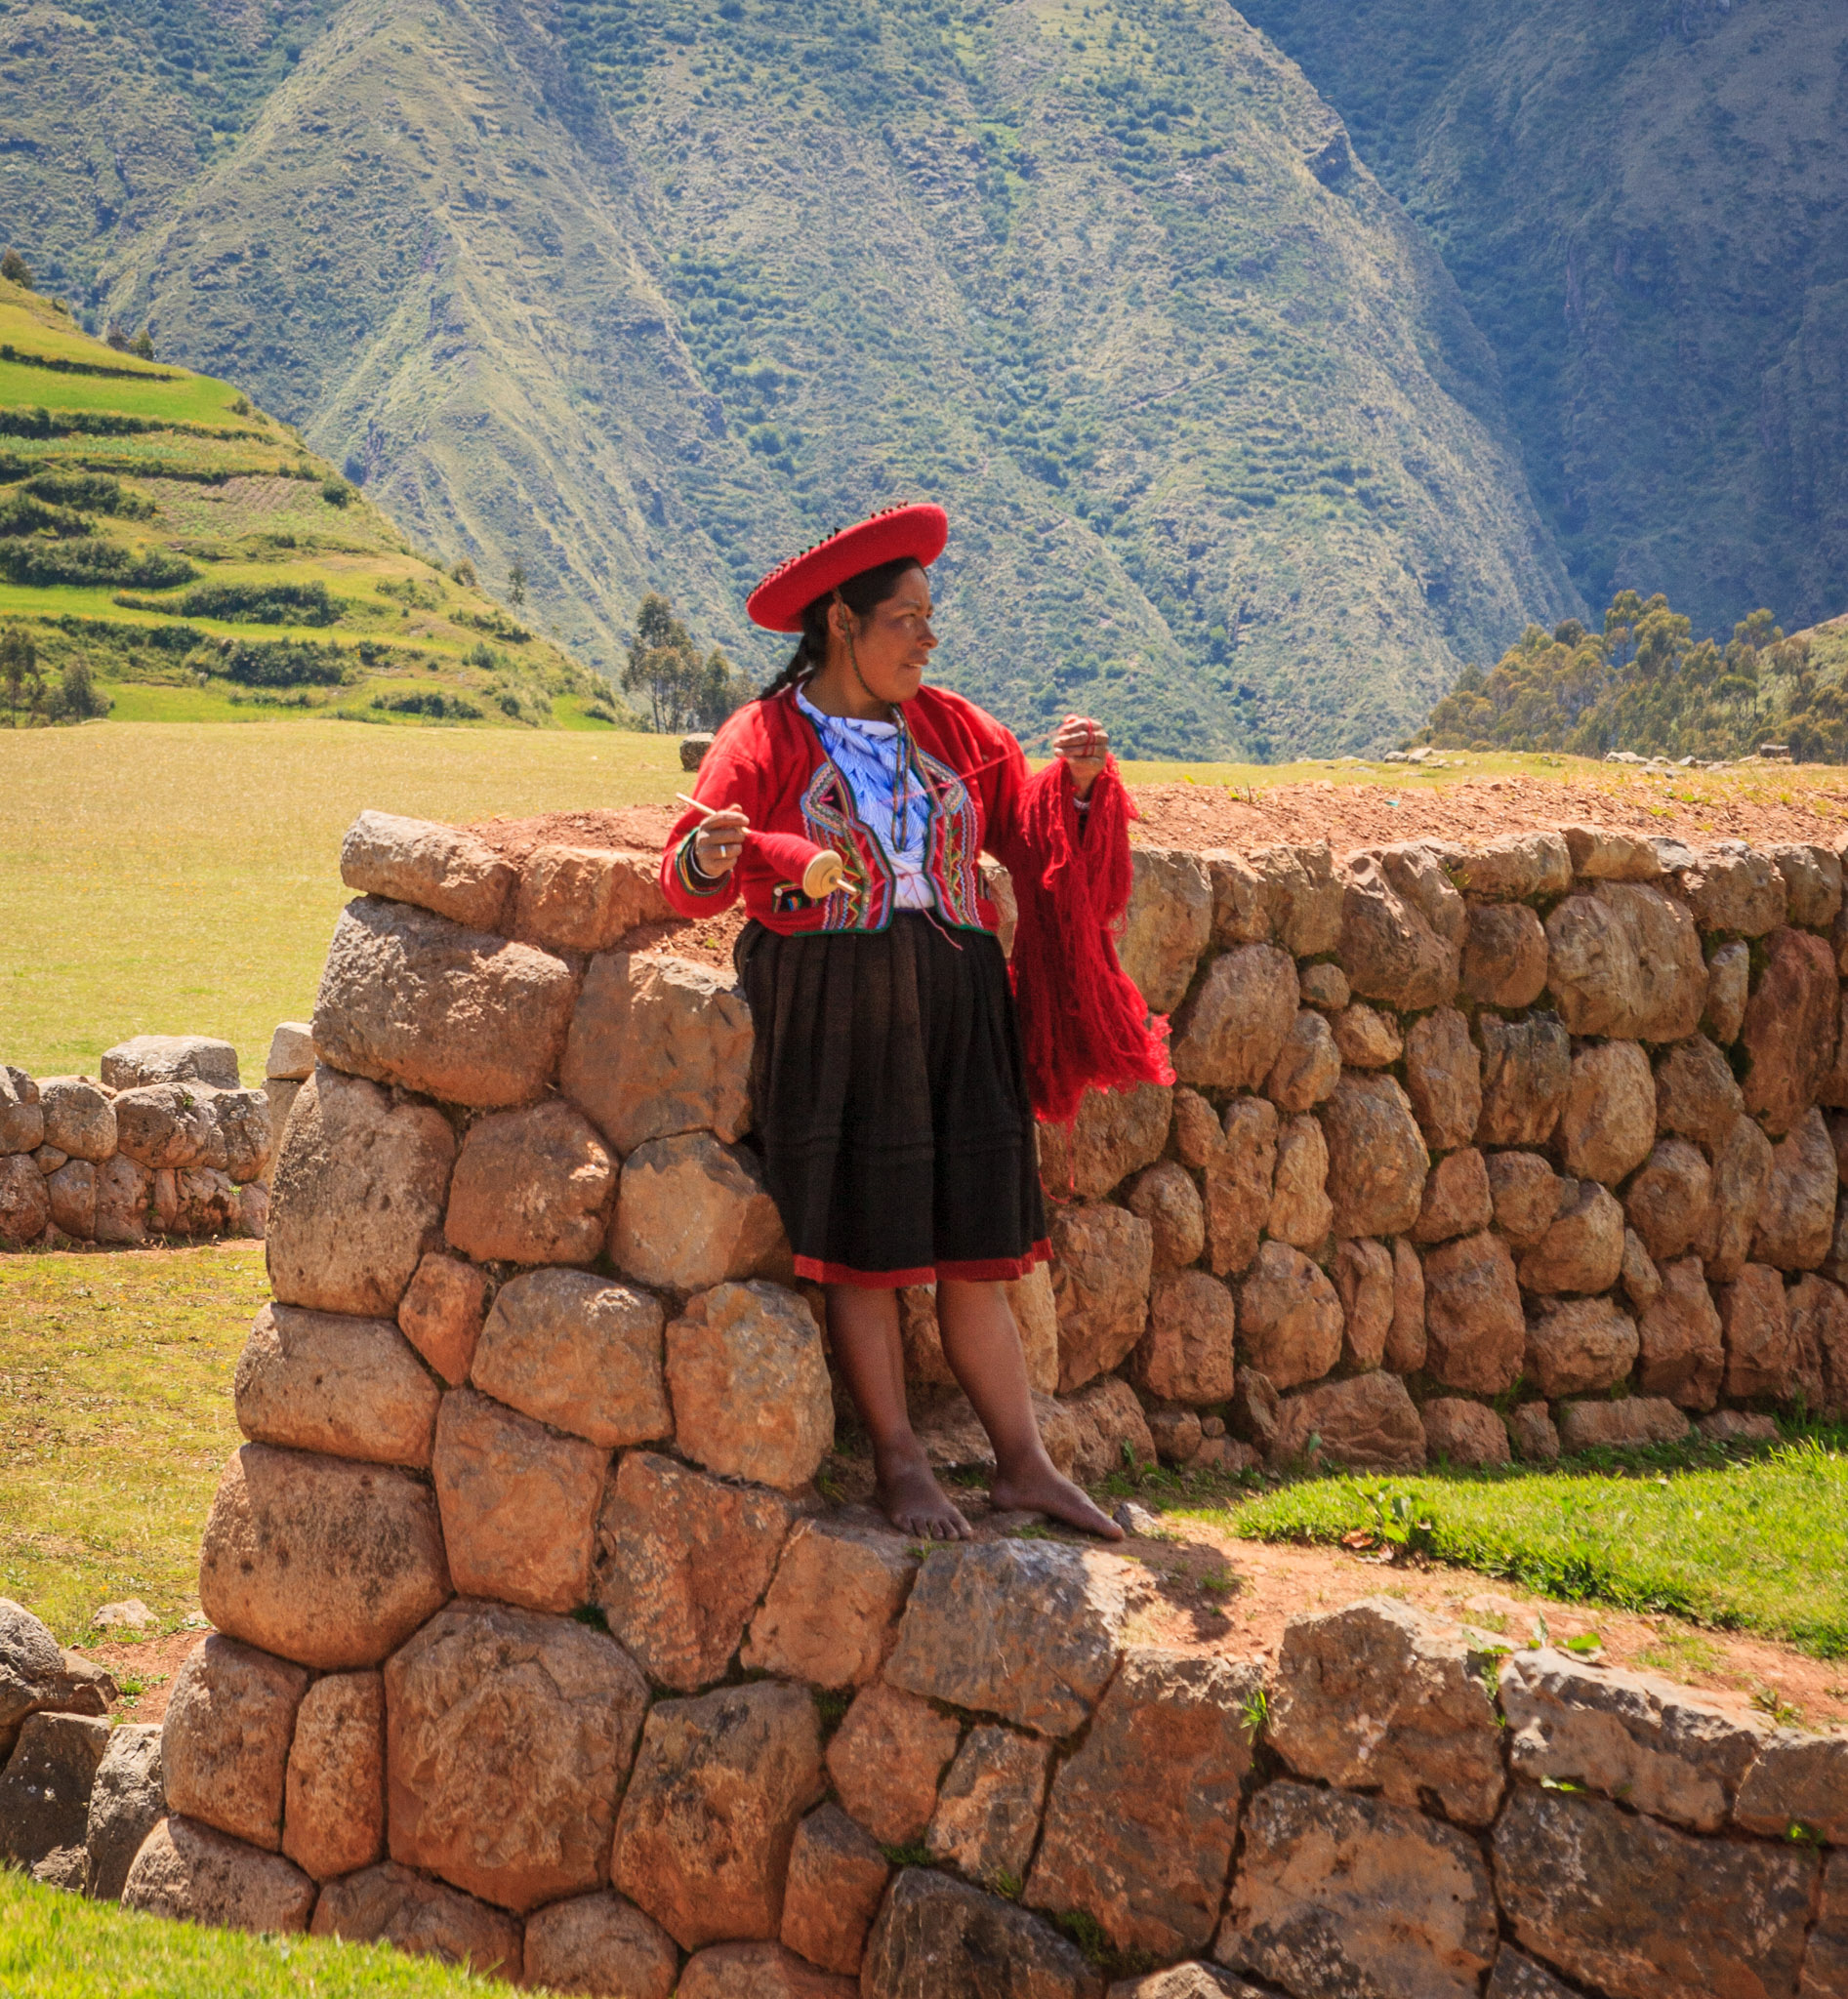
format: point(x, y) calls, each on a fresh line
point(55, 1946)
point(115, 1420)
point(1757, 1544)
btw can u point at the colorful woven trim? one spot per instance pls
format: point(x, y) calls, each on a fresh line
point(684, 867)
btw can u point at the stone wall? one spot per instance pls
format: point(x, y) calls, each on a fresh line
point(165, 1142)
point(538, 1645)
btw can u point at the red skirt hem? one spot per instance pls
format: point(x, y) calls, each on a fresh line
point(993, 1270)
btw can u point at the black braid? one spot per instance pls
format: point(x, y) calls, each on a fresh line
point(860, 594)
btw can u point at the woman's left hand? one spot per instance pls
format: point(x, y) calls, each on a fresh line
point(1084, 744)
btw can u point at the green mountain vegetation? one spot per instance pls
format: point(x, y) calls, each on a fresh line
point(157, 529)
point(1646, 208)
point(645, 294)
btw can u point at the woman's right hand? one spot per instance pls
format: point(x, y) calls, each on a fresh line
point(719, 843)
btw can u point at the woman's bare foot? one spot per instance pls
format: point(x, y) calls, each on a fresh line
point(1038, 1488)
point(914, 1502)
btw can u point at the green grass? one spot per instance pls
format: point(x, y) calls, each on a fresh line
point(115, 1421)
point(192, 399)
point(55, 1946)
point(1752, 1544)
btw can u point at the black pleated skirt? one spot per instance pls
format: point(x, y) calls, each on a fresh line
point(890, 1096)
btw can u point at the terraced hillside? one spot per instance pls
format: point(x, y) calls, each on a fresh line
point(159, 530)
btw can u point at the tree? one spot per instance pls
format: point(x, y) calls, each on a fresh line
point(722, 690)
point(663, 660)
point(19, 675)
point(144, 344)
point(77, 698)
point(14, 267)
point(464, 573)
point(516, 583)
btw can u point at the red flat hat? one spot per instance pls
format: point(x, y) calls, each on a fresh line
point(780, 600)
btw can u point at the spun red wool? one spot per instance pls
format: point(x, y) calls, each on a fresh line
point(1082, 1020)
point(789, 853)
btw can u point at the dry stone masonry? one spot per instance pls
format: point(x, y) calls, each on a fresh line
point(539, 1648)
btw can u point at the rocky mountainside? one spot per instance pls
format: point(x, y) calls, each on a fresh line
point(642, 293)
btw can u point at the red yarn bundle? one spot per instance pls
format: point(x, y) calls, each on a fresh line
point(1083, 1022)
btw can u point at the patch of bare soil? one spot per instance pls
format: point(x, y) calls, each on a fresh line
point(152, 1662)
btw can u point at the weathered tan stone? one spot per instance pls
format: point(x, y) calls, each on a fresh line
point(1342, 1895)
point(1812, 880)
point(1605, 1895)
point(1465, 1432)
point(320, 1560)
point(1456, 1199)
point(146, 1059)
point(1380, 1697)
point(750, 1385)
point(1166, 1198)
point(577, 1352)
point(1406, 1342)
point(127, 1801)
point(348, 1387)
point(759, 1971)
point(1742, 1173)
point(1627, 1425)
point(600, 1943)
point(1290, 1317)
point(1682, 1355)
point(1608, 1123)
point(1475, 1333)
point(1833, 1087)
point(360, 1182)
point(585, 898)
point(1029, 1631)
point(1825, 1963)
point(443, 868)
point(1737, 1426)
point(190, 1873)
point(987, 1809)
point(1625, 961)
point(1186, 1982)
point(1035, 1317)
point(1526, 1192)
point(1167, 925)
point(938, 1939)
point(440, 1314)
point(1601, 856)
point(1303, 894)
point(333, 1821)
point(1300, 1210)
point(681, 1561)
point(1576, 1346)
point(1175, 1433)
point(1231, 1030)
point(1695, 1094)
point(1186, 1354)
point(1791, 1022)
point(78, 1117)
point(531, 1186)
point(390, 1905)
point(1819, 1328)
point(1239, 1178)
point(292, 1056)
point(1109, 1432)
point(1367, 1038)
point(704, 1836)
point(1365, 1285)
point(831, 1614)
point(71, 1191)
point(1141, 1820)
point(1800, 1780)
point(1504, 960)
point(1730, 888)
point(1199, 1136)
point(1364, 1420)
point(886, 1761)
point(22, 1114)
point(1443, 1078)
point(1584, 1249)
point(1103, 1260)
point(45, 1793)
point(508, 1739)
point(170, 1124)
point(25, 1208)
point(409, 998)
point(1761, 1356)
point(1670, 1202)
point(1115, 1133)
point(1728, 982)
point(1515, 866)
point(1308, 1067)
point(1526, 1073)
point(1630, 1736)
point(691, 1214)
point(1388, 947)
point(1535, 1437)
point(1376, 1157)
point(1796, 1215)
point(1324, 987)
point(1240, 906)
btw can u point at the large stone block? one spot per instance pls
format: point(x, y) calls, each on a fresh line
point(229, 1721)
point(586, 898)
point(1380, 1697)
point(1526, 1192)
point(127, 1801)
point(1796, 1215)
point(1644, 1740)
point(1239, 1180)
point(1516, 867)
point(1584, 1249)
point(759, 1971)
point(1762, 1354)
point(1301, 896)
point(1167, 925)
point(691, 1212)
point(1186, 1982)
point(390, 1905)
point(1388, 947)
point(348, 1387)
point(1625, 961)
point(443, 868)
point(518, 1504)
point(1166, 1198)
point(25, 1208)
point(658, 1046)
point(831, 1617)
point(440, 1313)
point(886, 1759)
point(1799, 1781)
point(1337, 1895)
point(682, 1561)
point(190, 1873)
point(1108, 1430)
point(170, 1124)
point(1825, 1964)
point(1407, 1341)
point(1505, 958)
point(1682, 1351)
point(322, 1561)
point(1812, 880)
point(1608, 1896)
point(1289, 1318)
point(1029, 1631)
point(1475, 1332)
point(703, 1840)
point(600, 1943)
point(1742, 1175)
point(837, 1876)
point(1599, 855)
point(1366, 1038)
point(359, 1183)
point(1526, 1074)
point(71, 1192)
point(1308, 1068)
point(1230, 1032)
point(1696, 1093)
point(1364, 1281)
point(1728, 981)
point(1458, 1200)
point(1670, 1202)
point(1608, 1123)
point(1376, 1157)
point(1115, 1133)
point(1103, 1258)
point(749, 1384)
point(1818, 1325)
point(580, 1353)
point(31, 1668)
point(1633, 1423)
point(46, 1785)
point(987, 1819)
point(146, 1059)
point(1186, 1354)
point(333, 1819)
point(1730, 888)
point(1464, 1432)
point(1791, 1021)
point(1300, 1210)
point(1140, 1823)
point(1367, 1420)
point(22, 1114)
point(1443, 1076)
point(531, 1186)
point(938, 1939)
point(79, 1117)
point(507, 1740)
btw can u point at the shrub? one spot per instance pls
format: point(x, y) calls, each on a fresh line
point(22, 514)
point(284, 663)
point(263, 604)
point(14, 269)
point(77, 698)
point(96, 491)
point(338, 492)
point(91, 562)
point(432, 702)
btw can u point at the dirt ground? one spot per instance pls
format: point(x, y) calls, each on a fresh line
point(153, 1661)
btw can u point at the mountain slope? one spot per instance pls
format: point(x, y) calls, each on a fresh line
point(1646, 207)
point(645, 294)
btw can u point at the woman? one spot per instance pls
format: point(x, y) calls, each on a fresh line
point(889, 1083)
